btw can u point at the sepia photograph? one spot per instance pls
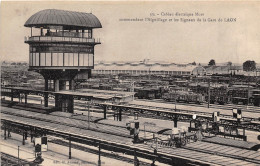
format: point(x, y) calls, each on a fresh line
point(130, 83)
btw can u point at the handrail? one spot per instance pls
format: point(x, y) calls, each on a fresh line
point(61, 38)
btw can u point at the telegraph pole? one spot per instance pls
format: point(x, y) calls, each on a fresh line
point(5, 132)
point(88, 117)
point(69, 147)
point(247, 93)
point(99, 153)
point(175, 99)
point(144, 132)
point(208, 93)
point(18, 156)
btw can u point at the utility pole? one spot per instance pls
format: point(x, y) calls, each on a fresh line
point(99, 153)
point(88, 117)
point(18, 156)
point(247, 93)
point(69, 147)
point(144, 132)
point(136, 161)
point(23, 138)
point(5, 132)
point(156, 143)
point(208, 93)
point(175, 99)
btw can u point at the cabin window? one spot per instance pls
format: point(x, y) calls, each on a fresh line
point(71, 59)
point(36, 59)
point(42, 59)
point(81, 59)
point(66, 59)
point(60, 59)
point(48, 59)
point(75, 59)
point(54, 59)
point(31, 59)
point(91, 60)
point(86, 60)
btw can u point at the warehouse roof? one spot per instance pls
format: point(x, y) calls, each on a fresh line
point(144, 67)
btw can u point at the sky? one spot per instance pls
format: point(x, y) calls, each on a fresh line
point(177, 42)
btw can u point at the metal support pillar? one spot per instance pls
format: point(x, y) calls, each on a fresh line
point(56, 85)
point(18, 155)
point(41, 32)
point(136, 138)
point(114, 115)
point(105, 112)
point(62, 85)
point(25, 135)
point(46, 99)
point(25, 98)
point(88, 116)
point(70, 104)
point(175, 119)
point(120, 114)
point(136, 161)
point(71, 85)
point(244, 134)
point(208, 93)
point(56, 101)
point(91, 33)
point(5, 132)
point(31, 136)
point(224, 132)
point(12, 95)
point(155, 155)
point(46, 94)
point(190, 126)
point(99, 153)
point(69, 147)
point(173, 163)
point(23, 138)
point(9, 133)
point(117, 113)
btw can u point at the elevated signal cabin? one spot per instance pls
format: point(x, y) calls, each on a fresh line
point(61, 46)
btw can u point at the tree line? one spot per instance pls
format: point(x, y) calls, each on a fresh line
point(247, 65)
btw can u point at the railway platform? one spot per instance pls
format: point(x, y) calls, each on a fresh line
point(194, 152)
point(56, 154)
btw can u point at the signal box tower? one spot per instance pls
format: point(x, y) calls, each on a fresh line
point(61, 49)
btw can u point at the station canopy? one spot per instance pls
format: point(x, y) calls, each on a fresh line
point(56, 19)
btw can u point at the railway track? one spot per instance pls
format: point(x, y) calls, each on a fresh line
point(127, 113)
point(227, 106)
point(115, 144)
point(82, 105)
point(141, 146)
point(9, 160)
point(103, 153)
point(77, 123)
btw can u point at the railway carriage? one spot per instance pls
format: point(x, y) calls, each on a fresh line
point(184, 96)
point(240, 94)
point(256, 97)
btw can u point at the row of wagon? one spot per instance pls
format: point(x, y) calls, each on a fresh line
point(217, 96)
